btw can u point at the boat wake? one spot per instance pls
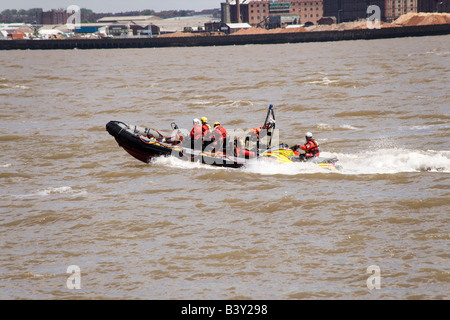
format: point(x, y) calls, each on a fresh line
point(394, 160)
point(381, 161)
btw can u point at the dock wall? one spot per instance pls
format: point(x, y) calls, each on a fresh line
point(226, 40)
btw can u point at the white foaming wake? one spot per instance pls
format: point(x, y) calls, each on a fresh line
point(394, 160)
point(271, 167)
point(380, 161)
point(261, 166)
point(181, 164)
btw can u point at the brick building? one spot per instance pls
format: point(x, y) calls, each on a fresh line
point(259, 12)
point(276, 13)
point(433, 5)
point(351, 10)
point(395, 8)
point(55, 16)
point(308, 11)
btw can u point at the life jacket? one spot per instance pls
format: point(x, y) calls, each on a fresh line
point(206, 129)
point(256, 131)
point(219, 136)
point(240, 150)
point(311, 148)
point(196, 133)
point(220, 133)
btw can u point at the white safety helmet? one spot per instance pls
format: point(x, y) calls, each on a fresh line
point(197, 121)
point(308, 135)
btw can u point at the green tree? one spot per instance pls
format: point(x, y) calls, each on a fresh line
point(6, 13)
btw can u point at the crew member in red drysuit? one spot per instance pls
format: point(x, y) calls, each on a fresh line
point(255, 132)
point(311, 147)
point(220, 137)
point(240, 149)
point(196, 134)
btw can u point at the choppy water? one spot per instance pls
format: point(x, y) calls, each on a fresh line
point(69, 195)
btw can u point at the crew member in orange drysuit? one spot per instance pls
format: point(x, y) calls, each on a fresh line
point(311, 147)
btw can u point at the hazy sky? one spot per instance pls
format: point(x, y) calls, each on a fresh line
point(113, 5)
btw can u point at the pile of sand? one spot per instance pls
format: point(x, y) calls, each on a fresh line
point(382, 25)
point(422, 19)
point(289, 30)
point(341, 26)
point(177, 35)
point(254, 30)
point(189, 34)
point(409, 19)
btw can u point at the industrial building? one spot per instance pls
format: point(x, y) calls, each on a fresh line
point(55, 16)
point(272, 13)
point(269, 14)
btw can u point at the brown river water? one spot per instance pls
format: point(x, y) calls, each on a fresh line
point(69, 195)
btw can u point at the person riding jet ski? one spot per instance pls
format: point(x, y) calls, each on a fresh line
point(311, 148)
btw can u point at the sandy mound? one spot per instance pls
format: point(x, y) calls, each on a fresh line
point(189, 34)
point(288, 30)
point(422, 19)
point(254, 30)
point(251, 30)
point(382, 25)
point(409, 19)
point(177, 35)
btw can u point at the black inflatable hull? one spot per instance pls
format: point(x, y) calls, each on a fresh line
point(145, 149)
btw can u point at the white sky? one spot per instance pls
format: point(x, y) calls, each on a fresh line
point(113, 5)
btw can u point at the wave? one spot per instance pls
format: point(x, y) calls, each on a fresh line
point(181, 164)
point(437, 52)
point(241, 103)
point(59, 190)
point(258, 166)
point(270, 167)
point(65, 190)
point(323, 81)
point(8, 86)
point(394, 160)
point(425, 127)
point(380, 161)
point(326, 126)
point(203, 103)
point(327, 82)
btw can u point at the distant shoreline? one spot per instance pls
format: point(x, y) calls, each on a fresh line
point(227, 40)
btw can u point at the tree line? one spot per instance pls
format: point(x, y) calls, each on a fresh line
point(87, 15)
